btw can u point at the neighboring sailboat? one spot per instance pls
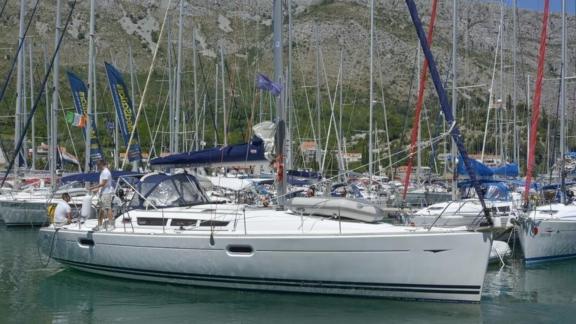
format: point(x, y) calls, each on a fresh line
point(549, 232)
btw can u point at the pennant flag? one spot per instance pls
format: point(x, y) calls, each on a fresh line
point(264, 83)
point(124, 110)
point(80, 95)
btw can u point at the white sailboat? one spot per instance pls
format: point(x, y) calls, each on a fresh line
point(549, 232)
point(185, 239)
point(171, 232)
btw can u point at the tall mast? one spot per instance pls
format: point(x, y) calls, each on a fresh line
point(31, 76)
point(132, 91)
point(516, 153)
point(419, 135)
point(88, 126)
point(55, 97)
point(47, 96)
point(216, 107)
point(562, 104)
point(224, 114)
point(318, 108)
point(178, 78)
point(196, 134)
point(370, 167)
point(280, 112)
point(454, 97)
point(19, 85)
point(289, 103)
point(171, 113)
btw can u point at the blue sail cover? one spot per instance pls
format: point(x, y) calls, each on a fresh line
point(507, 170)
point(479, 168)
point(231, 155)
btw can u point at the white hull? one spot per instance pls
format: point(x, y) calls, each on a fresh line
point(425, 265)
point(24, 212)
point(554, 239)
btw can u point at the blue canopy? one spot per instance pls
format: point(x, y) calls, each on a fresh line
point(216, 156)
point(95, 176)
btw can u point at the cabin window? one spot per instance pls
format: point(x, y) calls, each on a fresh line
point(183, 222)
point(152, 221)
point(213, 223)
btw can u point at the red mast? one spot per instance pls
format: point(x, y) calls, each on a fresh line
point(419, 103)
point(536, 101)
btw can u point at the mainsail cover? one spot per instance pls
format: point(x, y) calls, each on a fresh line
point(257, 151)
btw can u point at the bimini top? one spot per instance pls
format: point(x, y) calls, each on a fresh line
point(160, 190)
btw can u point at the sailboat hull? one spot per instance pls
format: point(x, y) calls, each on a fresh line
point(24, 212)
point(547, 240)
point(448, 267)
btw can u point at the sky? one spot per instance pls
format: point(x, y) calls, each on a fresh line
point(555, 5)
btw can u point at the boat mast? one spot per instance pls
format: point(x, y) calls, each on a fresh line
point(289, 103)
point(31, 73)
point(196, 134)
point(88, 137)
point(280, 112)
point(53, 113)
point(178, 78)
point(171, 113)
point(19, 84)
point(216, 106)
point(516, 153)
point(562, 105)
point(224, 113)
point(371, 114)
point(318, 108)
point(132, 91)
point(454, 99)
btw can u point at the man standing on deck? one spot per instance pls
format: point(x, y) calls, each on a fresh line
point(105, 193)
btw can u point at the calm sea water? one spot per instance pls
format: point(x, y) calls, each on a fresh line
point(31, 292)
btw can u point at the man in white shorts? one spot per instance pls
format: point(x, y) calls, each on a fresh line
point(63, 211)
point(105, 193)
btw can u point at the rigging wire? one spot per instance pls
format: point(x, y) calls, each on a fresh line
point(40, 93)
point(3, 7)
point(9, 76)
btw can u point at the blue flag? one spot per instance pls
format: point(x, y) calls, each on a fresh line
point(124, 111)
point(264, 83)
point(80, 95)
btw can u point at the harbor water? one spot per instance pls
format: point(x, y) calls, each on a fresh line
point(32, 291)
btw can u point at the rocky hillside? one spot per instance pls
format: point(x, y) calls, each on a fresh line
point(243, 29)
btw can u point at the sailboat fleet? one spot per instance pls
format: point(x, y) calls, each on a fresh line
point(347, 235)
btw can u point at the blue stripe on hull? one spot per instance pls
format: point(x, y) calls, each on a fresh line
point(383, 287)
point(550, 258)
